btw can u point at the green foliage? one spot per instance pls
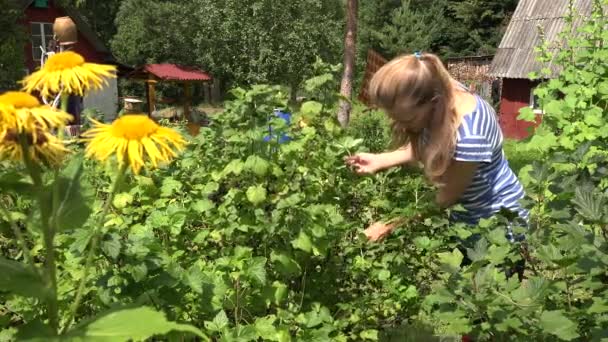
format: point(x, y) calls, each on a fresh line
point(239, 43)
point(373, 126)
point(447, 27)
point(412, 29)
point(12, 42)
point(575, 100)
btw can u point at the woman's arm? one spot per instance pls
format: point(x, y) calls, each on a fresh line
point(457, 179)
point(370, 163)
point(401, 156)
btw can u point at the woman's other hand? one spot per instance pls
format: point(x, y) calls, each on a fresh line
point(365, 163)
point(379, 230)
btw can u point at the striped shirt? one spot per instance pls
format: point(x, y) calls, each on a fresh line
point(495, 186)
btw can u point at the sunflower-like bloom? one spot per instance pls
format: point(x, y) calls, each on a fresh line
point(133, 139)
point(68, 71)
point(22, 115)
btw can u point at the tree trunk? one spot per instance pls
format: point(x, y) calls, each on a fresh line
point(346, 87)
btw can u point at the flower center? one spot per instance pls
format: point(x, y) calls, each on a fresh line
point(12, 137)
point(19, 99)
point(63, 60)
point(133, 127)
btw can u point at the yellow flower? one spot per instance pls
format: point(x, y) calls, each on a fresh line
point(47, 148)
point(7, 118)
point(68, 70)
point(133, 138)
point(22, 115)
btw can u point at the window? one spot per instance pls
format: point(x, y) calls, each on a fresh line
point(535, 103)
point(41, 3)
point(42, 34)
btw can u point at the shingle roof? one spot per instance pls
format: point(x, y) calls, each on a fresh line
point(516, 56)
point(174, 72)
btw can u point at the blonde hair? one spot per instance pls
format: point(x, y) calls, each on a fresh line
point(420, 79)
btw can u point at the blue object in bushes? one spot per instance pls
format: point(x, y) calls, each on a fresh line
point(286, 116)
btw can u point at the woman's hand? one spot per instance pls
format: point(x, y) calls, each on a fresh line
point(379, 230)
point(365, 163)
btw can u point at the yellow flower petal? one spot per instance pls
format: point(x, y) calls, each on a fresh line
point(70, 71)
point(135, 140)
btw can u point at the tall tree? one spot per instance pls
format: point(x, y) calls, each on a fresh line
point(154, 31)
point(267, 40)
point(482, 23)
point(412, 28)
point(258, 41)
point(12, 42)
point(446, 27)
point(350, 39)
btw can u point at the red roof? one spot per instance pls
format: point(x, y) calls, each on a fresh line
point(177, 72)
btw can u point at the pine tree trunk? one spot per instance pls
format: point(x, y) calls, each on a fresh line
point(346, 86)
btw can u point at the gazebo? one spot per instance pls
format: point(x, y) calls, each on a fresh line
point(153, 73)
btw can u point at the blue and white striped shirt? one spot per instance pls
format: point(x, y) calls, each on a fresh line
point(479, 139)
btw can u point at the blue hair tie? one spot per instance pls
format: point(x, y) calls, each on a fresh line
point(418, 54)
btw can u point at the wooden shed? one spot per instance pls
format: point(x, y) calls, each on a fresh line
point(516, 57)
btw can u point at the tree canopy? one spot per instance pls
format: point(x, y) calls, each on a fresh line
point(12, 42)
point(275, 41)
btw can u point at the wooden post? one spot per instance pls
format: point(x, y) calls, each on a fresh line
point(193, 127)
point(150, 95)
point(187, 100)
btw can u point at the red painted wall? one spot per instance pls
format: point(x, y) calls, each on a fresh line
point(48, 15)
point(515, 95)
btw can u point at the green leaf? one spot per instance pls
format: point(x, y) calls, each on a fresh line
point(139, 272)
point(411, 292)
point(384, 275)
point(257, 165)
point(219, 322)
point(526, 114)
point(234, 167)
point(129, 324)
point(170, 187)
point(599, 306)
point(256, 270)
point(451, 260)
point(479, 252)
point(12, 181)
point(588, 203)
point(543, 141)
point(280, 292)
point(422, 242)
point(285, 264)
point(497, 254)
point(302, 242)
point(202, 206)
point(194, 279)
point(122, 200)
point(177, 220)
point(530, 291)
point(311, 109)
point(69, 199)
point(555, 323)
point(112, 246)
point(264, 327)
point(370, 334)
point(21, 280)
point(256, 194)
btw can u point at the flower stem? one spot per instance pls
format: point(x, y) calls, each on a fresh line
point(65, 100)
point(94, 242)
point(48, 234)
